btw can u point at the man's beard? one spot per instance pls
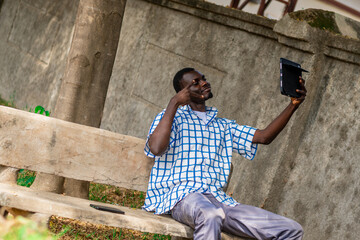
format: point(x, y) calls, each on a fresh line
point(210, 95)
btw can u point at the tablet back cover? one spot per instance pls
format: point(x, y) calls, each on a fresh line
point(289, 77)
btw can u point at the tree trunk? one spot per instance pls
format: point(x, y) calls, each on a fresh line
point(90, 62)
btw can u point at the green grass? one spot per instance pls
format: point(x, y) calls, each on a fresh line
point(7, 103)
point(25, 178)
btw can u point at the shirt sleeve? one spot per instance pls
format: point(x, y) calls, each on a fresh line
point(242, 137)
point(152, 129)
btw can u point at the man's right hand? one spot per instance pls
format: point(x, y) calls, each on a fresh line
point(160, 138)
point(186, 95)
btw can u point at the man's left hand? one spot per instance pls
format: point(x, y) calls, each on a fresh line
point(302, 91)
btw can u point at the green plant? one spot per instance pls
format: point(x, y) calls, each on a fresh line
point(20, 228)
point(38, 109)
point(25, 178)
point(41, 110)
point(317, 18)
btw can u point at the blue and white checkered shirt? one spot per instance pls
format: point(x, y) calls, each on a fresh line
point(198, 158)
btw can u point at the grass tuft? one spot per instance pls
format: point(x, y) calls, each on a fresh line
point(7, 103)
point(25, 178)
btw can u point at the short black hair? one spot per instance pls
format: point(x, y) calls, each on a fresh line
point(178, 77)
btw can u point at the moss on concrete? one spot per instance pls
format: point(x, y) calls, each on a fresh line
point(317, 18)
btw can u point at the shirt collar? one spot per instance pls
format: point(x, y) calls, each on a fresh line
point(211, 112)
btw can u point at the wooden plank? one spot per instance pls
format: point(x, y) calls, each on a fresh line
point(39, 143)
point(76, 208)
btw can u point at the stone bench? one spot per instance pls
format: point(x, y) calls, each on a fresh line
point(44, 144)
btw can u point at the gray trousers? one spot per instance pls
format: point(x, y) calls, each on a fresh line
point(209, 217)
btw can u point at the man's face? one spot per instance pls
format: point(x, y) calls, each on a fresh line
point(198, 85)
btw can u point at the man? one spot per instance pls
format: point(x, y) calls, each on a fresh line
point(193, 149)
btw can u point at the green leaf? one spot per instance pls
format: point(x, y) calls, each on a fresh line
point(39, 108)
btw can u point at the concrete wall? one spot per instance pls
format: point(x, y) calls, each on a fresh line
point(35, 37)
point(309, 173)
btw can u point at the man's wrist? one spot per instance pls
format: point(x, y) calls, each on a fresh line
point(174, 103)
point(294, 106)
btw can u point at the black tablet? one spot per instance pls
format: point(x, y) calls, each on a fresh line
point(107, 209)
point(289, 77)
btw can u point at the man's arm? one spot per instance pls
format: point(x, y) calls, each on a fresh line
point(267, 135)
point(159, 140)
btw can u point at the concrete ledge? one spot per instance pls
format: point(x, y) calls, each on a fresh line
point(342, 55)
point(225, 16)
point(336, 40)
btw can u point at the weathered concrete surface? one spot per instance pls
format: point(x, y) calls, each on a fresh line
point(323, 187)
point(239, 53)
point(35, 37)
point(66, 149)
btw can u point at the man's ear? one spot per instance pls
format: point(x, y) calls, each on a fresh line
point(181, 84)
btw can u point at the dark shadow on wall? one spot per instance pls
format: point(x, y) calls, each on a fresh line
point(1, 2)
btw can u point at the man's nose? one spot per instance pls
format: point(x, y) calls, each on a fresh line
point(203, 83)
